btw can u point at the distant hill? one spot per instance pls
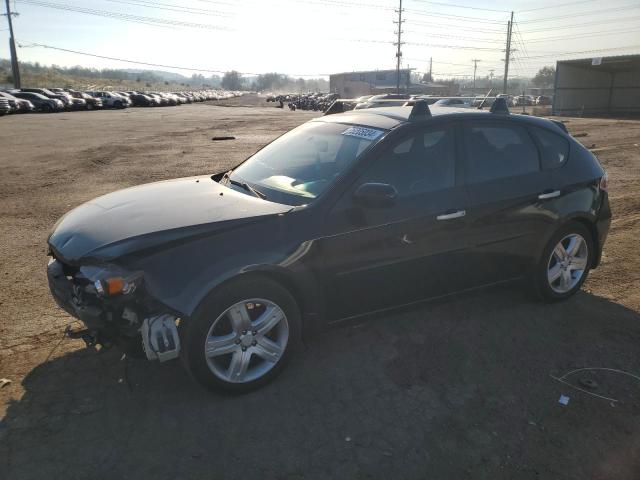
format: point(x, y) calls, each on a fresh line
point(37, 75)
point(162, 74)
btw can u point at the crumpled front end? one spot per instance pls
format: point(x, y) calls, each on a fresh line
point(115, 309)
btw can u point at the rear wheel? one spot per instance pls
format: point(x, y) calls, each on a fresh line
point(241, 336)
point(565, 263)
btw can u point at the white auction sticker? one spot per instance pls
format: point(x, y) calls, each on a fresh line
point(361, 132)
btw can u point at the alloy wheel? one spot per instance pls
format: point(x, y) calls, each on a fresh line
point(247, 340)
point(567, 263)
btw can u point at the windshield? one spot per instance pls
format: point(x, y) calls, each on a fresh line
point(298, 167)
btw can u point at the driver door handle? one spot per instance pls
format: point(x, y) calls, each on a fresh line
point(547, 194)
point(452, 215)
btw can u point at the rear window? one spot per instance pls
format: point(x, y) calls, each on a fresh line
point(498, 151)
point(554, 149)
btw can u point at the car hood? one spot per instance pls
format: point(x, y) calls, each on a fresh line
point(152, 215)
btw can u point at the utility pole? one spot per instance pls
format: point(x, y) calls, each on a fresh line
point(475, 68)
point(15, 68)
point(399, 44)
point(431, 69)
point(507, 55)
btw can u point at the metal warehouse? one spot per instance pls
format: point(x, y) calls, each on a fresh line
point(355, 84)
point(595, 86)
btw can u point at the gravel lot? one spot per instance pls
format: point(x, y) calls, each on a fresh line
point(459, 388)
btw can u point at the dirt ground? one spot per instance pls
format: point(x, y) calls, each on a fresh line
point(459, 388)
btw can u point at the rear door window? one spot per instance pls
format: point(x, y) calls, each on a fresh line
point(494, 151)
point(554, 149)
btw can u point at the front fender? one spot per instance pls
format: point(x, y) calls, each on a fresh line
point(181, 277)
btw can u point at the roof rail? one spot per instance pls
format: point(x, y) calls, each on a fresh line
point(419, 111)
point(500, 106)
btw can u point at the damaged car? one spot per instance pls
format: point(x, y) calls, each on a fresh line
point(345, 215)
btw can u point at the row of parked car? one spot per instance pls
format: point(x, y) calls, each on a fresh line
point(322, 101)
point(50, 100)
point(305, 101)
point(392, 100)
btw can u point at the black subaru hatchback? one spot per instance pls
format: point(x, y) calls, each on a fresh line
point(345, 215)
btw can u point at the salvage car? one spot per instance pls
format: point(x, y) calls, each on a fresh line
point(344, 215)
point(76, 103)
point(385, 100)
point(5, 108)
point(63, 97)
point(454, 102)
point(18, 105)
point(141, 100)
point(40, 102)
point(91, 103)
point(109, 99)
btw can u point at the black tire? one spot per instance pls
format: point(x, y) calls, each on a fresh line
point(118, 105)
point(195, 330)
point(542, 287)
point(47, 108)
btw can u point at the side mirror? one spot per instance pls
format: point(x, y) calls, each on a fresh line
point(375, 195)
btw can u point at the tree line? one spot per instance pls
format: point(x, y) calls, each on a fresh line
point(273, 82)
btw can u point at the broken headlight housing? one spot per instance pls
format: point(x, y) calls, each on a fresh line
point(112, 280)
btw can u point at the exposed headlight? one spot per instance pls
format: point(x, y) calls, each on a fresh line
point(112, 280)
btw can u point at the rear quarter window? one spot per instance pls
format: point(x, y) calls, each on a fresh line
point(494, 151)
point(554, 149)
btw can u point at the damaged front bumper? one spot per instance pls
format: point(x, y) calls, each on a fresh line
point(135, 323)
point(68, 297)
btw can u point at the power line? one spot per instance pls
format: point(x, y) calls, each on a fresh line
point(585, 24)
point(449, 26)
point(191, 69)
point(462, 6)
point(582, 14)
point(558, 54)
point(461, 18)
point(122, 16)
point(587, 35)
point(217, 2)
point(464, 47)
point(455, 37)
point(557, 5)
point(173, 8)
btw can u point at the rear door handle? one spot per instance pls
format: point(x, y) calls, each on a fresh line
point(545, 195)
point(450, 216)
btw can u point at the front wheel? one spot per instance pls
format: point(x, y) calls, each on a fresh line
point(565, 263)
point(241, 336)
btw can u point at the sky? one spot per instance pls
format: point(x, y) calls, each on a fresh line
point(318, 37)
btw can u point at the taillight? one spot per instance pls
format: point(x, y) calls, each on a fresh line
point(604, 182)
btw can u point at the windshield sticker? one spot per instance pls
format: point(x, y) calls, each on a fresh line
point(361, 132)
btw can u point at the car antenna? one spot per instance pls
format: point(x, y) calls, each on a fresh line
point(485, 99)
point(500, 106)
